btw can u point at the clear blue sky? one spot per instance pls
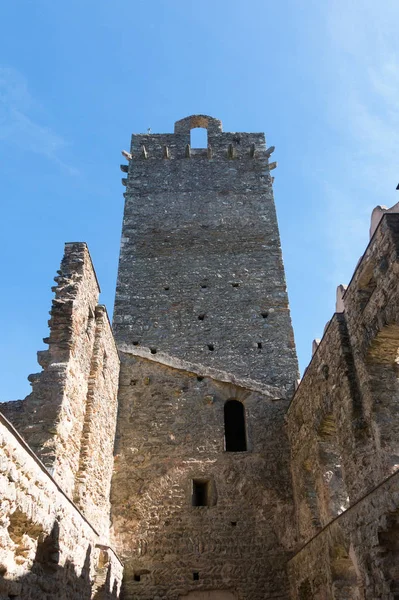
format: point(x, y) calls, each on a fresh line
point(77, 78)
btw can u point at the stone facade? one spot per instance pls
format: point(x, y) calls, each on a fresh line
point(178, 462)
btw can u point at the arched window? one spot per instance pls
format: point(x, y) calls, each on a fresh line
point(234, 426)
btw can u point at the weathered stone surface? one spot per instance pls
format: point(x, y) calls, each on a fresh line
point(343, 430)
point(75, 396)
point(201, 277)
point(171, 432)
point(47, 547)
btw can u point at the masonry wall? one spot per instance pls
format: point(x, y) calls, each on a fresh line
point(171, 432)
point(47, 547)
point(201, 281)
point(342, 425)
point(356, 556)
point(69, 418)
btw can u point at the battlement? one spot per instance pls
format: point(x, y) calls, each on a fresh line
point(221, 146)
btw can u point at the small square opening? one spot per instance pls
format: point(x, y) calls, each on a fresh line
point(200, 492)
point(136, 577)
point(195, 576)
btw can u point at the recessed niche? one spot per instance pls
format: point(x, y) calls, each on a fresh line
point(136, 577)
point(203, 285)
point(233, 523)
point(199, 378)
point(260, 345)
point(211, 347)
point(201, 491)
point(135, 343)
point(201, 317)
point(195, 576)
point(235, 285)
point(166, 288)
point(153, 350)
point(264, 314)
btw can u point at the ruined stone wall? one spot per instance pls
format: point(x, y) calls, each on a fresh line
point(343, 429)
point(357, 555)
point(201, 281)
point(69, 418)
point(47, 547)
point(170, 432)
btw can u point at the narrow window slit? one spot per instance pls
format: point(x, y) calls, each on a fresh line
point(260, 345)
point(195, 576)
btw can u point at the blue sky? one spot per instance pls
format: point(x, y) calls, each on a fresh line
point(77, 78)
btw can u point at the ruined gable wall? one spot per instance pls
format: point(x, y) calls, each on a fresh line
point(171, 431)
point(47, 547)
point(69, 418)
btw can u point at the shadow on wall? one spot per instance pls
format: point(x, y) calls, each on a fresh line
point(46, 578)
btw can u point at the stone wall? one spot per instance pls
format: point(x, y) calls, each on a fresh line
point(170, 433)
point(69, 418)
point(343, 429)
point(47, 547)
point(201, 278)
point(357, 555)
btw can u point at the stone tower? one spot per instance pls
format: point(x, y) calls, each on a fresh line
point(201, 493)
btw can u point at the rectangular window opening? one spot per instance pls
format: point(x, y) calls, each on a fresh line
point(200, 492)
point(195, 576)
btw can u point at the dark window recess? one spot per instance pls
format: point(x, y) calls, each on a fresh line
point(135, 343)
point(201, 317)
point(195, 576)
point(234, 426)
point(199, 378)
point(203, 285)
point(166, 288)
point(265, 315)
point(200, 492)
point(136, 577)
point(211, 347)
point(235, 285)
point(260, 345)
point(153, 350)
point(234, 523)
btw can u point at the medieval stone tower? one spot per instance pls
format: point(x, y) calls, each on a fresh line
point(201, 495)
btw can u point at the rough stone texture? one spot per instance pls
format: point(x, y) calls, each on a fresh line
point(201, 279)
point(343, 429)
point(70, 416)
point(47, 548)
point(356, 556)
point(171, 431)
